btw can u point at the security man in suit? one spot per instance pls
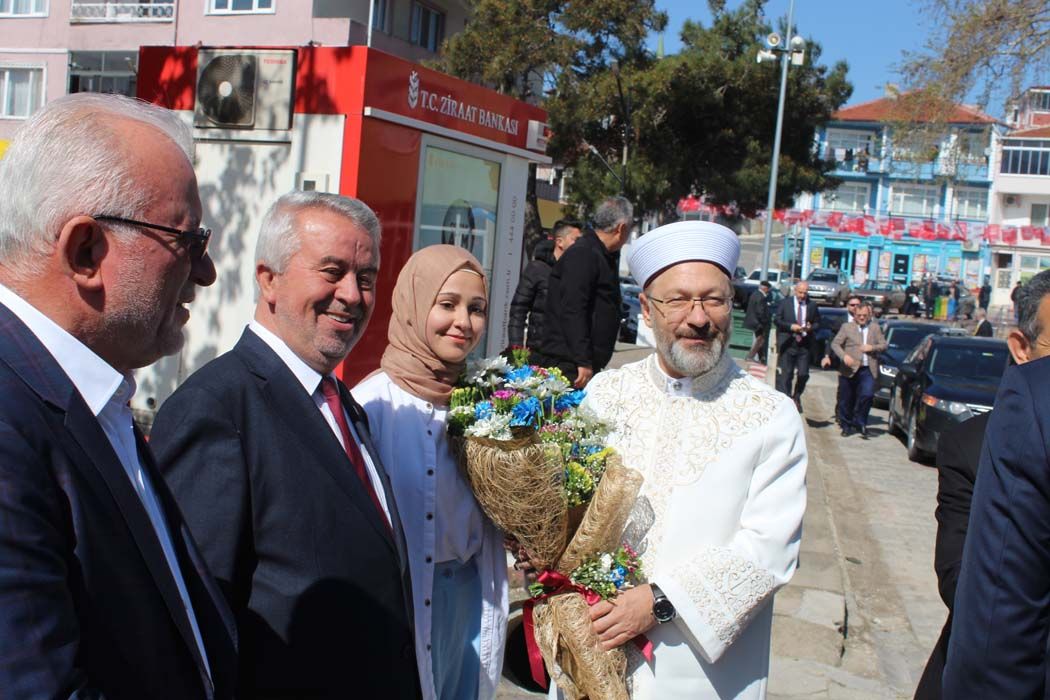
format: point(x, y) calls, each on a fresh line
point(271, 460)
point(795, 319)
point(103, 591)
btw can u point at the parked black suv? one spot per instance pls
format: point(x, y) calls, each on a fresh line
point(901, 338)
point(945, 380)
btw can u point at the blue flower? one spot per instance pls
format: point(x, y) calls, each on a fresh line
point(526, 412)
point(483, 410)
point(589, 450)
point(569, 400)
point(519, 374)
point(616, 576)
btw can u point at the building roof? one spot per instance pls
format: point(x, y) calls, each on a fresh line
point(1039, 132)
point(909, 108)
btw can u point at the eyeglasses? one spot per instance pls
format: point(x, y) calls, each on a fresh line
point(854, 303)
point(196, 240)
point(680, 306)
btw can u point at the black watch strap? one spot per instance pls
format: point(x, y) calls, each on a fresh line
point(663, 610)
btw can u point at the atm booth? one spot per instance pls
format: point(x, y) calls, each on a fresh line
point(440, 160)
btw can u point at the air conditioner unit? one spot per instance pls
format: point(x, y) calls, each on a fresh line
point(244, 89)
point(1011, 199)
point(971, 246)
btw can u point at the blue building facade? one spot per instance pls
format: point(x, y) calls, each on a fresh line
point(903, 211)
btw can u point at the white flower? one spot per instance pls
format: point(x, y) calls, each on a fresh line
point(496, 427)
point(606, 561)
point(487, 371)
point(527, 384)
point(551, 386)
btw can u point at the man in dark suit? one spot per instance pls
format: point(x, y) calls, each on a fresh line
point(582, 318)
point(103, 592)
point(271, 460)
point(795, 319)
point(756, 320)
point(983, 329)
point(1001, 614)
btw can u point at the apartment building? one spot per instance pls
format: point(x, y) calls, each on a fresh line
point(52, 47)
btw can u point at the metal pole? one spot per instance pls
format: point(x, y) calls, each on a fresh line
point(785, 58)
point(371, 19)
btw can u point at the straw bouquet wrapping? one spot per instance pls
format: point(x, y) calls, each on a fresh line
point(532, 471)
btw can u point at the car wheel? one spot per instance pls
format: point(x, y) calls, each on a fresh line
point(892, 426)
point(914, 453)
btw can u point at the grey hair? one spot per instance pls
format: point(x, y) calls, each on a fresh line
point(279, 238)
point(69, 159)
point(1028, 300)
point(613, 212)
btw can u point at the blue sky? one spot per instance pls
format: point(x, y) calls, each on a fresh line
point(869, 36)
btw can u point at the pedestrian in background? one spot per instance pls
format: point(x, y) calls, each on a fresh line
point(1015, 294)
point(1001, 614)
point(857, 345)
point(582, 319)
point(983, 328)
point(757, 320)
point(103, 591)
point(852, 304)
point(795, 319)
point(530, 298)
point(455, 555)
point(984, 295)
point(929, 296)
point(953, 300)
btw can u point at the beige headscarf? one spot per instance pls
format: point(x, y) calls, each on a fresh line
point(408, 358)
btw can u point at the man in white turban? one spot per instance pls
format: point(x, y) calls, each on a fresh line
point(719, 517)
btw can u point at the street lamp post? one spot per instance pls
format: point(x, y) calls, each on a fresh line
point(792, 53)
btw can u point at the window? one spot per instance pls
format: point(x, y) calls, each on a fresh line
point(914, 200)
point(970, 146)
point(1040, 101)
point(428, 27)
point(1025, 157)
point(1039, 214)
point(229, 6)
point(849, 139)
point(90, 11)
point(23, 8)
point(380, 8)
point(970, 203)
point(103, 71)
point(21, 91)
point(850, 196)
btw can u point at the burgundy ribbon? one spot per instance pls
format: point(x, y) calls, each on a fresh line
point(560, 584)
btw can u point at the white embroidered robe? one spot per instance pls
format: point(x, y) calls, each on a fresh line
point(717, 523)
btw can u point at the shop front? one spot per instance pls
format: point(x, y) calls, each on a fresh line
point(440, 160)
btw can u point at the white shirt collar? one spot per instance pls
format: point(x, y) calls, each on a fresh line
point(691, 386)
point(93, 377)
point(307, 375)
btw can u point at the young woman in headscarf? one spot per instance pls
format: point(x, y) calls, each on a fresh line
point(456, 556)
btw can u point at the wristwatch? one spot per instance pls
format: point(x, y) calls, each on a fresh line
point(663, 610)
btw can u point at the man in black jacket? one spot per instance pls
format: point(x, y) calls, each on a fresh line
point(582, 319)
point(530, 298)
point(756, 320)
point(795, 320)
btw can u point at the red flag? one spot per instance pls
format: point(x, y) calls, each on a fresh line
point(835, 220)
point(915, 229)
point(778, 215)
point(992, 232)
point(1028, 232)
point(1009, 234)
point(806, 216)
point(929, 232)
point(792, 217)
point(959, 232)
point(943, 232)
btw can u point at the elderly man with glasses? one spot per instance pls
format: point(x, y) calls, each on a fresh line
point(103, 591)
point(852, 304)
point(715, 548)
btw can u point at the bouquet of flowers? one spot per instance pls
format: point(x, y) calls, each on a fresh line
point(540, 469)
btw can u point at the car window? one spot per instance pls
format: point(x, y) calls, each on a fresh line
point(969, 363)
point(755, 274)
point(904, 338)
point(823, 277)
point(919, 352)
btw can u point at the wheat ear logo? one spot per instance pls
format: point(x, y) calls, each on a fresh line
point(413, 90)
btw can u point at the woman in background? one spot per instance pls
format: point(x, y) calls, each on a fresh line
point(456, 556)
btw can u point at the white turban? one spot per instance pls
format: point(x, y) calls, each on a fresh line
point(683, 241)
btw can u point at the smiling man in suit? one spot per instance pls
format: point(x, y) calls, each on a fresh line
point(103, 592)
point(857, 345)
point(271, 460)
point(795, 319)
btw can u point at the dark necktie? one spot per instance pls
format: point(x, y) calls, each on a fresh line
point(335, 405)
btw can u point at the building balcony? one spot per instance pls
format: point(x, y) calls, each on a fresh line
point(940, 168)
point(121, 11)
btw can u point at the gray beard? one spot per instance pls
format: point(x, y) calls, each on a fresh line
point(690, 363)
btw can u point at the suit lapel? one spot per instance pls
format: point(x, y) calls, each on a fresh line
point(299, 411)
point(38, 369)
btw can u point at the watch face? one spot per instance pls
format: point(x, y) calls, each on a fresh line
point(663, 611)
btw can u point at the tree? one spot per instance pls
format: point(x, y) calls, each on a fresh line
point(701, 121)
point(993, 46)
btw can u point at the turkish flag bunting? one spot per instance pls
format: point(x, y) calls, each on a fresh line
point(835, 220)
point(959, 231)
point(992, 232)
point(806, 216)
point(1028, 232)
point(943, 232)
point(1044, 234)
point(779, 215)
point(1009, 234)
point(929, 232)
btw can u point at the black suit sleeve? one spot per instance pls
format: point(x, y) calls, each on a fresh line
point(955, 478)
point(520, 305)
point(199, 452)
point(785, 315)
point(578, 282)
point(39, 628)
